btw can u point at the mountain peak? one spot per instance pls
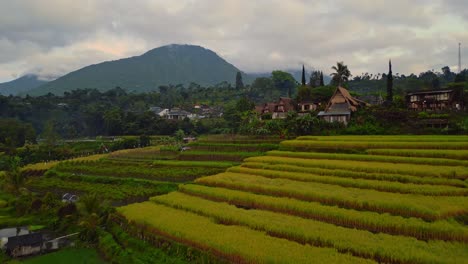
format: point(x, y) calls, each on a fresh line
point(167, 65)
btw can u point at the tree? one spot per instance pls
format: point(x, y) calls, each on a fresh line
point(283, 81)
point(390, 83)
point(239, 83)
point(14, 180)
point(341, 74)
point(447, 74)
point(315, 79)
point(322, 83)
point(303, 76)
point(50, 136)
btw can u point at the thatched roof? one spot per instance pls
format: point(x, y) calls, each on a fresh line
point(342, 99)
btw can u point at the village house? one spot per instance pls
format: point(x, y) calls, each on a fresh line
point(433, 101)
point(162, 112)
point(24, 245)
point(340, 107)
point(306, 107)
point(278, 110)
point(178, 114)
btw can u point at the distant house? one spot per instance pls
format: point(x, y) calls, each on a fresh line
point(24, 245)
point(178, 114)
point(306, 107)
point(433, 101)
point(340, 107)
point(162, 112)
point(278, 110)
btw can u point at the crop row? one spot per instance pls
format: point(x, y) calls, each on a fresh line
point(93, 178)
point(235, 243)
point(108, 191)
point(399, 138)
point(371, 158)
point(362, 243)
point(217, 156)
point(429, 153)
point(356, 174)
point(304, 145)
point(374, 222)
point(429, 208)
point(454, 172)
point(162, 173)
point(226, 147)
point(383, 186)
point(186, 163)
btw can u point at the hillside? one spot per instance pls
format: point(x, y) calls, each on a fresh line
point(21, 85)
point(172, 64)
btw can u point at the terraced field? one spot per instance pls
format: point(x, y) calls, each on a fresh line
point(136, 174)
point(390, 199)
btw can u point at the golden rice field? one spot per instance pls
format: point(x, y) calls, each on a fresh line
point(340, 199)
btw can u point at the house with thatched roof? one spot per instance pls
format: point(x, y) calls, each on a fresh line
point(340, 107)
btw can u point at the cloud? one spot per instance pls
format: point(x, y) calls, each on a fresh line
point(53, 37)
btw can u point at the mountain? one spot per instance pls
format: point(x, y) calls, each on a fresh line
point(171, 64)
point(21, 85)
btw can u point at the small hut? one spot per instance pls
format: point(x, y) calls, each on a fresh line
point(24, 245)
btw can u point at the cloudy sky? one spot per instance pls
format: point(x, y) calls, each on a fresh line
point(54, 37)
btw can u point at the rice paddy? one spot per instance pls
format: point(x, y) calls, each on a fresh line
point(390, 199)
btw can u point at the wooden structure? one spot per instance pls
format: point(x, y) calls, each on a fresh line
point(340, 107)
point(439, 100)
point(24, 245)
point(278, 110)
point(306, 107)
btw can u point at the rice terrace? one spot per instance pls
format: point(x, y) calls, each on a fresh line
point(233, 131)
point(337, 199)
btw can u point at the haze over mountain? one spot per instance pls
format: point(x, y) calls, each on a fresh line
point(21, 85)
point(171, 64)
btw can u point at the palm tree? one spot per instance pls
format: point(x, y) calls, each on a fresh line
point(341, 75)
point(13, 179)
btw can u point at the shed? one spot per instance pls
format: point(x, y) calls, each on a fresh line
point(18, 246)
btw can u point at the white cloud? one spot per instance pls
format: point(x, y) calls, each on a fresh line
point(53, 37)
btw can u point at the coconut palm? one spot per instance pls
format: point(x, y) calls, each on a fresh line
point(341, 75)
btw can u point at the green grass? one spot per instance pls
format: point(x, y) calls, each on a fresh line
point(68, 256)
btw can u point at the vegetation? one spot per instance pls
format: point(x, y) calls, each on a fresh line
point(245, 245)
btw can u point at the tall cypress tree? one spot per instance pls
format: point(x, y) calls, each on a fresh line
point(239, 83)
point(390, 82)
point(303, 76)
point(322, 83)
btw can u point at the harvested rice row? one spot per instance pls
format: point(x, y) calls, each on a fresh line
point(235, 243)
point(380, 247)
point(356, 175)
point(452, 172)
point(429, 208)
point(384, 186)
point(374, 222)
